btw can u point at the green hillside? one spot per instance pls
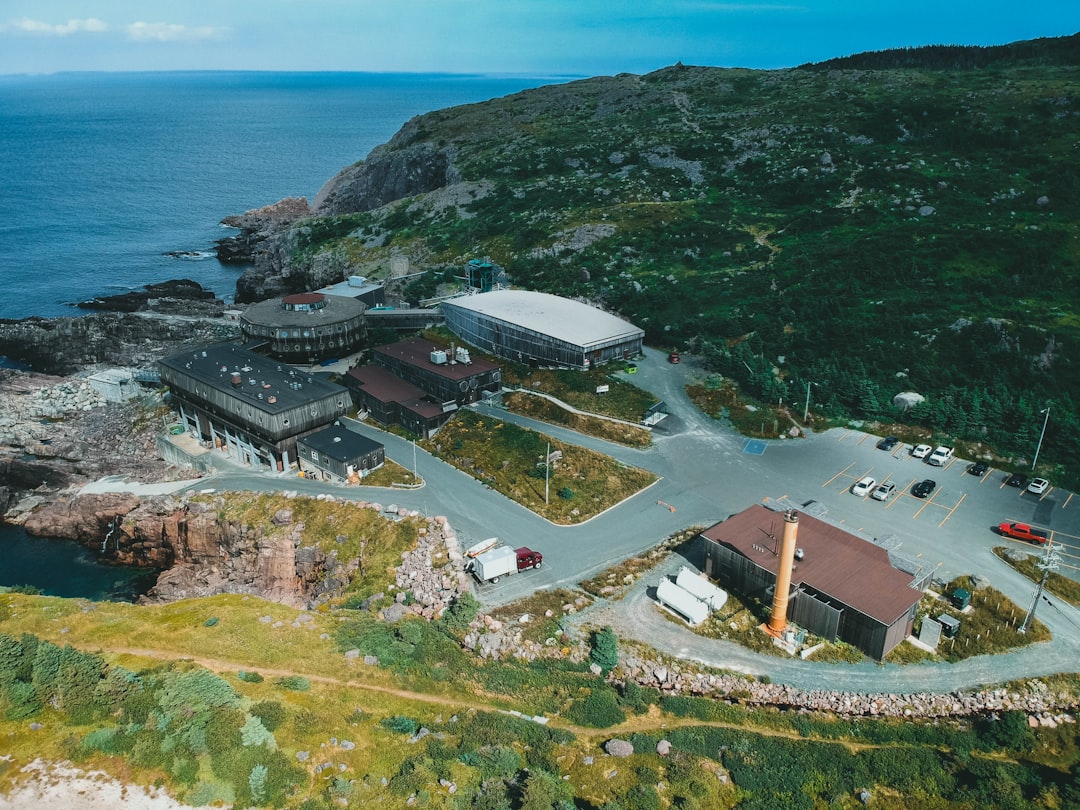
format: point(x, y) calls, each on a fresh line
point(902, 221)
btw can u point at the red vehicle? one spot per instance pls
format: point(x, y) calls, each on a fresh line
point(1022, 531)
point(674, 358)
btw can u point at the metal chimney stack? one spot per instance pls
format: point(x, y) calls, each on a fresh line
point(778, 619)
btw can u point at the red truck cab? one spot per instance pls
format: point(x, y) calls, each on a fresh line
point(1023, 531)
point(527, 558)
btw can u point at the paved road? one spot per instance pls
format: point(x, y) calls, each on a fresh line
point(705, 476)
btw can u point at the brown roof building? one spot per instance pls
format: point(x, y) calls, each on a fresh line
point(449, 376)
point(392, 401)
point(842, 586)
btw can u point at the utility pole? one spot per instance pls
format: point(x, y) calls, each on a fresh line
point(547, 471)
point(806, 410)
point(1038, 447)
point(1048, 563)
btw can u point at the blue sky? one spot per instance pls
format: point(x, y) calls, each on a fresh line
point(568, 37)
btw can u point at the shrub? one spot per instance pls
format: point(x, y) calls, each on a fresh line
point(566, 493)
point(600, 709)
point(24, 701)
point(271, 713)
point(249, 677)
point(186, 770)
point(402, 725)
point(461, 612)
point(211, 621)
point(255, 733)
point(295, 683)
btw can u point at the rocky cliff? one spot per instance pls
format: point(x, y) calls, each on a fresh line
point(197, 552)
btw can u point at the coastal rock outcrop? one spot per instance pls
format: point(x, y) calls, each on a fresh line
point(66, 346)
point(178, 296)
point(398, 169)
point(270, 237)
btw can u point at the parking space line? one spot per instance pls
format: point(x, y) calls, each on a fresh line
point(865, 436)
point(843, 435)
point(986, 475)
point(1067, 500)
point(952, 510)
point(903, 491)
point(848, 467)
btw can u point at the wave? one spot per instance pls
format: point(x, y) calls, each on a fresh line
point(192, 255)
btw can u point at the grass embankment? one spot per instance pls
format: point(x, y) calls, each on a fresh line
point(509, 459)
point(547, 411)
point(389, 475)
point(622, 400)
point(1059, 585)
point(720, 397)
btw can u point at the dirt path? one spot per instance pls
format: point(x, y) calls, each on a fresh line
point(652, 721)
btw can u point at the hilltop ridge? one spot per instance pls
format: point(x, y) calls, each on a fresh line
point(874, 224)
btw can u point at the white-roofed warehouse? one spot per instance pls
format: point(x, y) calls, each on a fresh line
point(541, 329)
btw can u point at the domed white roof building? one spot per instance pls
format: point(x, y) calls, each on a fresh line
point(541, 329)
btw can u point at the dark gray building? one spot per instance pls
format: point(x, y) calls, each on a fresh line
point(248, 406)
point(338, 454)
point(843, 587)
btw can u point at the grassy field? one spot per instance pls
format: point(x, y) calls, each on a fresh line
point(510, 460)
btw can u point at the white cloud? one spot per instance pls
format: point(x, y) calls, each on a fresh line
point(171, 32)
point(27, 26)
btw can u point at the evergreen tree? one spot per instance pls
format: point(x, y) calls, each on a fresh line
point(605, 649)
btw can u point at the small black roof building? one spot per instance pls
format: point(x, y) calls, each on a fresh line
point(339, 454)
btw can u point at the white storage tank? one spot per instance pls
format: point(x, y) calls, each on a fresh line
point(682, 602)
point(700, 587)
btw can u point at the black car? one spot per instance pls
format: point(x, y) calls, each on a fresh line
point(979, 468)
point(923, 488)
point(1017, 480)
point(888, 443)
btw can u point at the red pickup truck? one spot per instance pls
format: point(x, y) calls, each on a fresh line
point(1022, 531)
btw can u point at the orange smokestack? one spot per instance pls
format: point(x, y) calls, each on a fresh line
point(778, 619)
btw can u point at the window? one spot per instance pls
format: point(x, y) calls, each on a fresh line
point(314, 455)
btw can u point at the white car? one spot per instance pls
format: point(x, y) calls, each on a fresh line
point(863, 486)
point(1038, 486)
point(921, 450)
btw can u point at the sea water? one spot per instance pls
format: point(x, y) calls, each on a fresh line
point(64, 568)
point(110, 181)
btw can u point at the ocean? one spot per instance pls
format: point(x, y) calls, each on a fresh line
point(110, 181)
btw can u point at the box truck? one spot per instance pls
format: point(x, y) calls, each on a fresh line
point(502, 561)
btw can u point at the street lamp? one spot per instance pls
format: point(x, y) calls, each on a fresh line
point(1038, 447)
point(806, 410)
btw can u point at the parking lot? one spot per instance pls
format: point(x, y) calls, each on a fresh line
point(960, 502)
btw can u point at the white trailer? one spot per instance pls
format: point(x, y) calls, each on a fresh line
point(713, 597)
point(682, 602)
point(495, 563)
